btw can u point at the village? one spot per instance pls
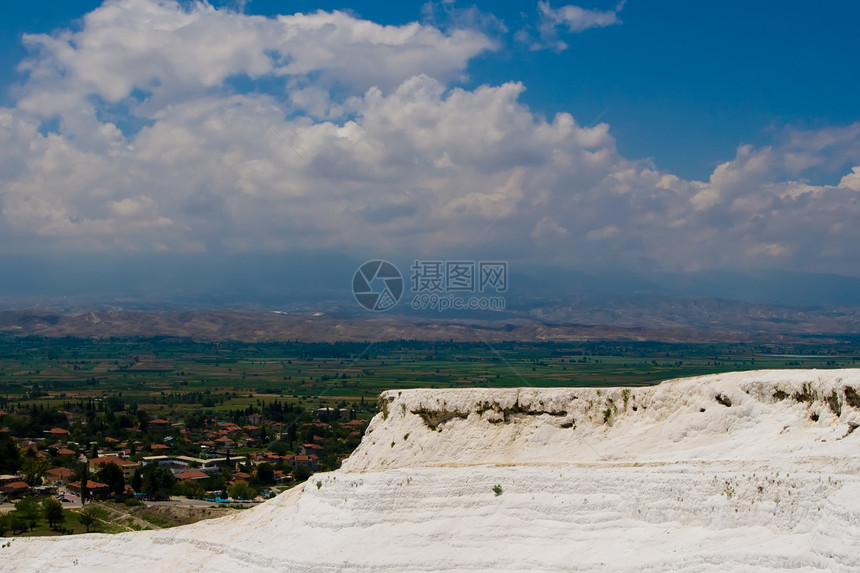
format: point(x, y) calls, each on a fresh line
point(102, 452)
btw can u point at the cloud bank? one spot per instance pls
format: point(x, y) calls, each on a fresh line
point(166, 127)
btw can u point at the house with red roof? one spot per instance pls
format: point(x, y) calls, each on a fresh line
point(310, 461)
point(224, 441)
point(95, 488)
point(15, 487)
point(308, 449)
point(193, 475)
point(58, 433)
point(58, 476)
point(127, 466)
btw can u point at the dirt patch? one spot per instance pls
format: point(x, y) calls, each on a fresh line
point(172, 516)
point(852, 397)
point(834, 404)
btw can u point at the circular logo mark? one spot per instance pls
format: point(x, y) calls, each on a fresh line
point(377, 285)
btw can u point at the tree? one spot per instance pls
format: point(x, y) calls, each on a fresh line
point(53, 512)
point(15, 523)
point(33, 469)
point(28, 510)
point(111, 474)
point(157, 482)
point(301, 473)
point(137, 481)
point(215, 482)
point(280, 447)
point(190, 489)
point(89, 517)
point(265, 473)
point(84, 476)
point(9, 456)
point(241, 490)
point(115, 404)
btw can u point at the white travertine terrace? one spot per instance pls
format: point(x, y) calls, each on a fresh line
point(746, 471)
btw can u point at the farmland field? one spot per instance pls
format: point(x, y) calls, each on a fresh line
point(168, 374)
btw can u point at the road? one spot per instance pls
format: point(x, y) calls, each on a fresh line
point(184, 502)
point(75, 503)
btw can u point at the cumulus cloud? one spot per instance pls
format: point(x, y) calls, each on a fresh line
point(163, 50)
point(398, 162)
point(852, 180)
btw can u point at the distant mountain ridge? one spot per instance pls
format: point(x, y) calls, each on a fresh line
point(654, 319)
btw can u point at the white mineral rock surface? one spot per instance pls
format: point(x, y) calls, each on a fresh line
point(747, 471)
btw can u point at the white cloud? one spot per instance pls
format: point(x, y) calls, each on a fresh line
point(603, 233)
point(577, 19)
point(434, 169)
point(447, 15)
point(570, 18)
point(171, 52)
point(770, 250)
point(852, 180)
point(549, 230)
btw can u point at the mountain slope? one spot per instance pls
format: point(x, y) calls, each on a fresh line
point(753, 471)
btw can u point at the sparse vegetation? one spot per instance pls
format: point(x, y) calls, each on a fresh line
point(89, 517)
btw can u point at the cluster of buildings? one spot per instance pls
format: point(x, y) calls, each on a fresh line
point(216, 441)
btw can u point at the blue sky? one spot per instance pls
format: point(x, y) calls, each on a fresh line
point(636, 136)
